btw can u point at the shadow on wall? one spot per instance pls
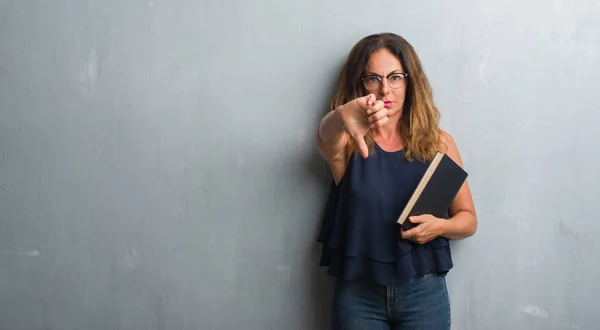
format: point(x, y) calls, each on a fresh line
point(310, 173)
point(320, 283)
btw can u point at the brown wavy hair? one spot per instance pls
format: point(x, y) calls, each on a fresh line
point(419, 126)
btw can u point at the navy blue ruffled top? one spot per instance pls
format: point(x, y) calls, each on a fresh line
point(360, 236)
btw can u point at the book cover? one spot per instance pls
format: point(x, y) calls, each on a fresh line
point(436, 190)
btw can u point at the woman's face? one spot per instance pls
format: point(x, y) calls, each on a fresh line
point(383, 64)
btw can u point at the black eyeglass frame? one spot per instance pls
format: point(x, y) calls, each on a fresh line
point(380, 78)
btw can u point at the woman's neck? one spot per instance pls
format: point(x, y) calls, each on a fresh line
point(389, 134)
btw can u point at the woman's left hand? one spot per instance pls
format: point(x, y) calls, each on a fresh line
point(428, 227)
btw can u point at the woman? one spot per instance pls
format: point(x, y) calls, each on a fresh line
point(378, 139)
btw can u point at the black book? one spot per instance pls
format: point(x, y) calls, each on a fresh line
point(436, 190)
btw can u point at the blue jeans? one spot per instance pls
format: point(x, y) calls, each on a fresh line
point(419, 303)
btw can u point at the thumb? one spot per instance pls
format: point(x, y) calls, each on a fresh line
point(361, 145)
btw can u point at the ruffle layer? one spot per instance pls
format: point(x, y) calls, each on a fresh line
point(350, 257)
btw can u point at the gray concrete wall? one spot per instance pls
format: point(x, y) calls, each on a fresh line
point(157, 167)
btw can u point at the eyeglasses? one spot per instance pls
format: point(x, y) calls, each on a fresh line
point(374, 81)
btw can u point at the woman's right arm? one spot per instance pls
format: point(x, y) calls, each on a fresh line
point(331, 142)
point(349, 121)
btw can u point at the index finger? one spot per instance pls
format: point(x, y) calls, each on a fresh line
point(406, 234)
point(371, 99)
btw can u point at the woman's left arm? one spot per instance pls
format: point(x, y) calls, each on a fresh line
point(463, 218)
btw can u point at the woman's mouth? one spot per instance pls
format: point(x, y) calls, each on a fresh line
point(387, 103)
